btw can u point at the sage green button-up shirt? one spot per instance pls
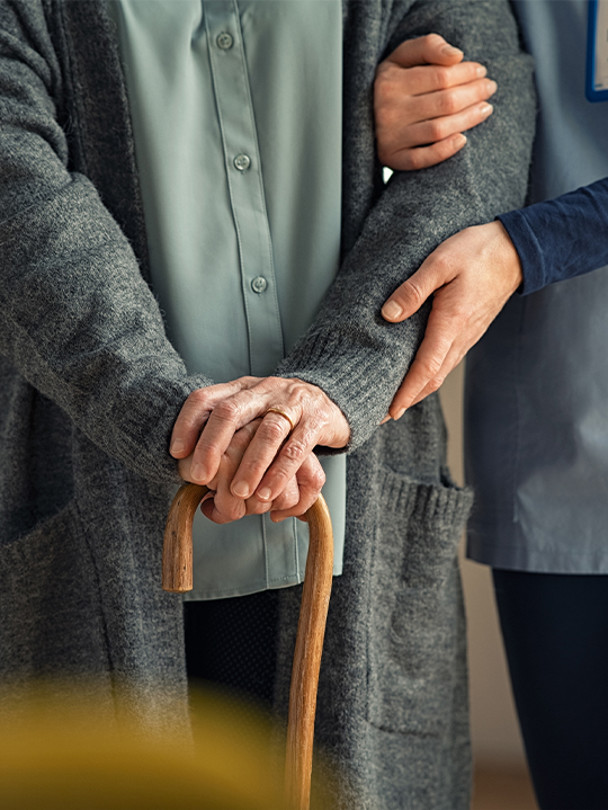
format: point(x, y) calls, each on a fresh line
point(236, 108)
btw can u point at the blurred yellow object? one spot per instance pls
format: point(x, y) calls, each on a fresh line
point(58, 755)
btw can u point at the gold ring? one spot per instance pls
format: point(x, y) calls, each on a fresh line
point(283, 414)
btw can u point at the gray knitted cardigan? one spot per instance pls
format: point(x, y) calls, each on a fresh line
point(90, 387)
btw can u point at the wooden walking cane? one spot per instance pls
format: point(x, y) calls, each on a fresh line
point(177, 578)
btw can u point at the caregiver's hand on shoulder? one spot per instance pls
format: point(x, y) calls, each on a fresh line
point(425, 97)
point(294, 417)
point(470, 275)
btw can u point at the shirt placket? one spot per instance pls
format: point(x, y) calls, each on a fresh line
point(245, 183)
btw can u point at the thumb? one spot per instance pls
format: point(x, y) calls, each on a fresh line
point(431, 49)
point(410, 296)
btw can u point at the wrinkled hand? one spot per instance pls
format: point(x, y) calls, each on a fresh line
point(472, 274)
point(225, 438)
point(221, 506)
point(425, 97)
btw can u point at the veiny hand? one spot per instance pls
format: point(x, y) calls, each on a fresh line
point(472, 274)
point(425, 97)
point(262, 463)
point(221, 506)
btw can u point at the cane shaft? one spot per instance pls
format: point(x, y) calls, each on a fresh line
point(177, 578)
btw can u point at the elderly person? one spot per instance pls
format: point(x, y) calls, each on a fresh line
point(215, 161)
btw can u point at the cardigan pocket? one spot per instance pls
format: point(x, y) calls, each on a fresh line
point(416, 639)
point(50, 604)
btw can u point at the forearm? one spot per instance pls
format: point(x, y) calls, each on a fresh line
point(77, 319)
point(350, 352)
point(561, 238)
point(80, 324)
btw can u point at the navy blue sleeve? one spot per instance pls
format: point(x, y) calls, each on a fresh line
point(561, 238)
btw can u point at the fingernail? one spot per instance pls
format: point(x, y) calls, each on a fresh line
point(482, 71)
point(178, 446)
point(196, 472)
point(486, 109)
point(391, 310)
point(264, 494)
point(240, 489)
point(492, 86)
point(450, 50)
point(458, 141)
point(386, 419)
point(399, 414)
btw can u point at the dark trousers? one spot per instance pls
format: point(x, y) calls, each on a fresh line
point(231, 644)
point(555, 631)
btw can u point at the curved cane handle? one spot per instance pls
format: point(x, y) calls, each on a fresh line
point(177, 578)
point(177, 544)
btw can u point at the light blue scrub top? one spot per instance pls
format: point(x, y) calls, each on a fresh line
point(236, 110)
point(537, 384)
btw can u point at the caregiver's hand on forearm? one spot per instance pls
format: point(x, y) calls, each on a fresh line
point(425, 97)
point(211, 417)
point(472, 274)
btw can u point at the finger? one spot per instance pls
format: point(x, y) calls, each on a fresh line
point(421, 157)
point(425, 80)
point(195, 412)
point(233, 413)
point(432, 274)
point(223, 507)
point(444, 104)
point(436, 129)
point(209, 509)
point(276, 447)
point(286, 501)
point(432, 48)
point(229, 416)
point(272, 433)
point(289, 460)
point(453, 358)
point(311, 478)
point(226, 504)
point(218, 512)
point(235, 508)
point(440, 335)
point(324, 423)
point(188, 425)
point(442, 138)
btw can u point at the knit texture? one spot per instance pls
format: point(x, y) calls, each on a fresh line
point(90, 388)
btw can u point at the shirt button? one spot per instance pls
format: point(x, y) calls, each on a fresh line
point(242, 162)
point(259, 284)
point(224, 41)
